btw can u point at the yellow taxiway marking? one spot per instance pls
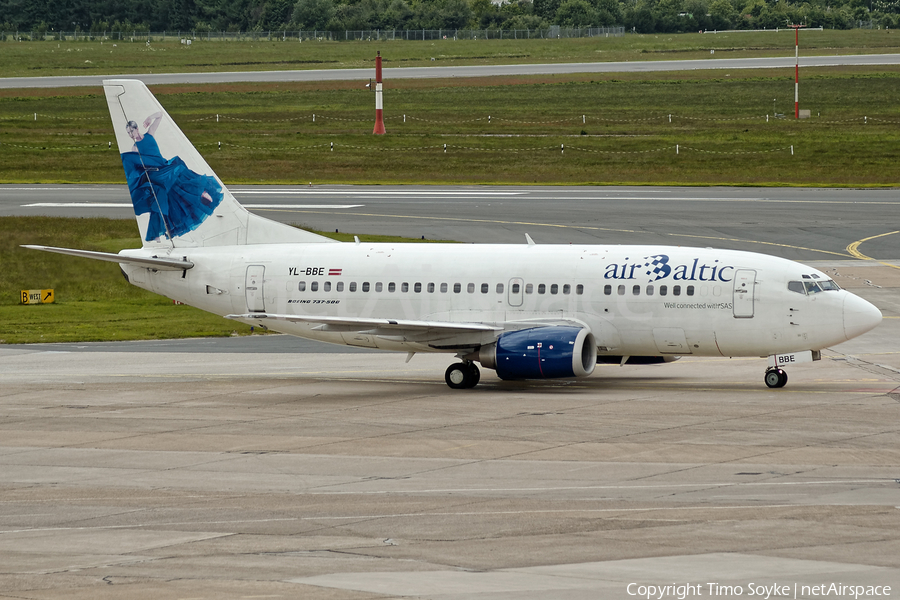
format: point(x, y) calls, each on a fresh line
point(854, 249)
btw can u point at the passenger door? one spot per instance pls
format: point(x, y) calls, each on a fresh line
point(744, 291)
point(253, 288)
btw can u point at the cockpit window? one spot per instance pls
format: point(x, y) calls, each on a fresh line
point(809, 286)
point(797, 286)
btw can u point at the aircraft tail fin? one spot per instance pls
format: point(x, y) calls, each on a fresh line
point(178, 200)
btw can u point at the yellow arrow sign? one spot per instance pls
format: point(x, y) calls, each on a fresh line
point(38, 296)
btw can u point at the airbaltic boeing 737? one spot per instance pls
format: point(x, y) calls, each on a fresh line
point(528, 311)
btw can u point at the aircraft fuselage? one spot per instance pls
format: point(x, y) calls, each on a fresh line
point(637, 300)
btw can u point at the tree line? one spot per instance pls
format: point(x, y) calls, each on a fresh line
point(642, 16)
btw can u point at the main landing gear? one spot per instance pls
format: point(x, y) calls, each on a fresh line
point(462, 375)
point(775, 377)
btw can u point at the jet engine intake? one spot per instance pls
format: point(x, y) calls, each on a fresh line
point(541, 353)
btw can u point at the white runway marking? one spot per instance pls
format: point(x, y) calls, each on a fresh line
point(379, 192)
point(128, 205)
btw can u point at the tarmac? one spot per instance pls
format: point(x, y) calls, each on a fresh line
point(177, 472)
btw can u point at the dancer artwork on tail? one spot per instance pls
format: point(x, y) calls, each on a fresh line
point(177, 199)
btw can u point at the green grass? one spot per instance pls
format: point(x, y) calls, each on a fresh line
point(26, 59)
point(718, 123)
point(93, 300)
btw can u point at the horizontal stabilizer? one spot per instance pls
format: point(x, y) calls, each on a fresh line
point(160, 264)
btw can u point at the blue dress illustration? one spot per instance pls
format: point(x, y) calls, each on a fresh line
point(178, 199)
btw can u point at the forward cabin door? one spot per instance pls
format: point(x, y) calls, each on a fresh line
point(254, 288)
point(744, 290)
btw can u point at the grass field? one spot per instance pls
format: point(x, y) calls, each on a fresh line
point(25, 59)
point(702, 127)
point(698, 127)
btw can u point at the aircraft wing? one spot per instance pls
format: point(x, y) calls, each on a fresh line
point(384, 327)
point(437, 334)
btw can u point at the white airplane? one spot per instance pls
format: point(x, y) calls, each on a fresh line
point(528, 311)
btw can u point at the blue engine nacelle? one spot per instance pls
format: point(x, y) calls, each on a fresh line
point(541, 353)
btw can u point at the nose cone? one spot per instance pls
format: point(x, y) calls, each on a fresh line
point(859, 316)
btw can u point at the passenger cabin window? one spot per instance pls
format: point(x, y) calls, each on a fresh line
point(485, 288)
point(554, 289)
point(430, 288)
point(417, 288)
point(470, 288)
point(457, 288)
point(579, 289)
point(302, 286)
point(352, 286)
point(444, 288)
point(529, 288)
point(690, 290)
point(636, 290)
point(542, 288)
point(314, 286)
point(607, 290)
point(567, 289)
point(500, 288)
point(326, 286)
point(404, 287)
point(340, 286)
point(649, 290)
point(621, 290)
point(379, 286)
point(663, 290)
point(365, 286)
point(676, 290)
point(515, 288)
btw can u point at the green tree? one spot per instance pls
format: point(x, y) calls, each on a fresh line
point(609, 12)
point(313, 14)
point(576, 13)
point(546, 9)
point(723, 15)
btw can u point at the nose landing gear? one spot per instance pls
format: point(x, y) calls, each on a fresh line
point(462, 375)
point(775, 378)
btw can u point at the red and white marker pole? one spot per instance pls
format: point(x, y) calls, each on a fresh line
point(796, 29)
point(379, 102)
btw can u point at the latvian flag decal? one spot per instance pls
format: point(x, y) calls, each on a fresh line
point(332, 272)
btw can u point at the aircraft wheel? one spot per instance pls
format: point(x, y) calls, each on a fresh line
point(776, 378)
point(460, 376)
point(783, 381)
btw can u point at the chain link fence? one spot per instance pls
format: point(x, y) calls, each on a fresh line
point(137, 35)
